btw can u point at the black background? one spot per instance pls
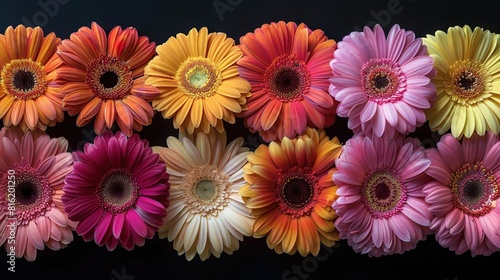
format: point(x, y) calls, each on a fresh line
point(254, 260)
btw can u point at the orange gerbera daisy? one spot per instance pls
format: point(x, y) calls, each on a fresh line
point(199, 80)
point(29, 97)
point(288, 67)
point(290, 190)
point(102, 77)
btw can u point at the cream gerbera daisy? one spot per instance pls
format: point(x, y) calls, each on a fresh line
point(206, 214)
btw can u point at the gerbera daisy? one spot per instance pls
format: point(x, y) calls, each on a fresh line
point(29, 97)
point(198, 80)
point(32, 171)
point(290, 191)
point(117, 191)
point(467, 81)
point(287, 66)
point(382, 83)
point(206, 215)
point(464, 193)
point(381, 205)
point(102, 78)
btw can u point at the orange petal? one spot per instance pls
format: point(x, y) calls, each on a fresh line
point(46, 107)
point(34, 42)
point(109, 112)
point(124, 114)
point(31, 114)
point(48, 48)
point(88, 112)
point(17, 111)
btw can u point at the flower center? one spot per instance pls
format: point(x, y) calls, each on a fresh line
point(467, 82)
point(474, 189)
point(297, 191)
point(383, 193)
point(198, 77)
point(382, 80)
point(33, 194)
point(206, 190)
point(287, 78)
point(109, 77)
point(23, 79)
point(118, 191)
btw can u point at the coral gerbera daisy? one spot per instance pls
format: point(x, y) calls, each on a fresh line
point(32, 171)
point(199, 81)
point(290, 191)
point(206, 215)
point(117, 191)
point(464, 193)
point(382, 83)
point(467, 81)
point(287, 66)
point(29, 97)
point(381, 208)
point(102, 78)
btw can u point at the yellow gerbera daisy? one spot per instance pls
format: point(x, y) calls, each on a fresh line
point(199, 80)
point(467, 81)
point(29, 97)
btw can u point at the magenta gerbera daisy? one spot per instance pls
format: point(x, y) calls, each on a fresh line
point(464, 193)
point(32, 171)
point(383, 83)
point(118, 191)
point(380, 202)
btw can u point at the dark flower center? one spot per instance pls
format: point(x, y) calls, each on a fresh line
point(118, 191)
point(287, 78)
point(381, 81)
point(382, 191)
point(474, 189)
point(286, 81)
point(109, 79)
point(297, 192)
point(26, 193)
point(24, 80)
point(466, 82)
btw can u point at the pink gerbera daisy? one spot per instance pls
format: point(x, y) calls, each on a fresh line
point(464, 193)
point(32, 171)
point(117, 191)
point(380, 203)
point(383, 84)
point(287, 67)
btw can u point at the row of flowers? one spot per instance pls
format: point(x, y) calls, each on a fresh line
point(381, 190)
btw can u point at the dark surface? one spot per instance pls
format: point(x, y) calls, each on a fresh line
point(254, 260)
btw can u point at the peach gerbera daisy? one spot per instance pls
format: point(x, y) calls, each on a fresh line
point(29, 97)
point(198, 80)
point(102, 78)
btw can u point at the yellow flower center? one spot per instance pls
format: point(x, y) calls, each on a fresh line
point(24, 79)
point(206, 190)
point(198, 77)
point(109, 77)
point(467, 82)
